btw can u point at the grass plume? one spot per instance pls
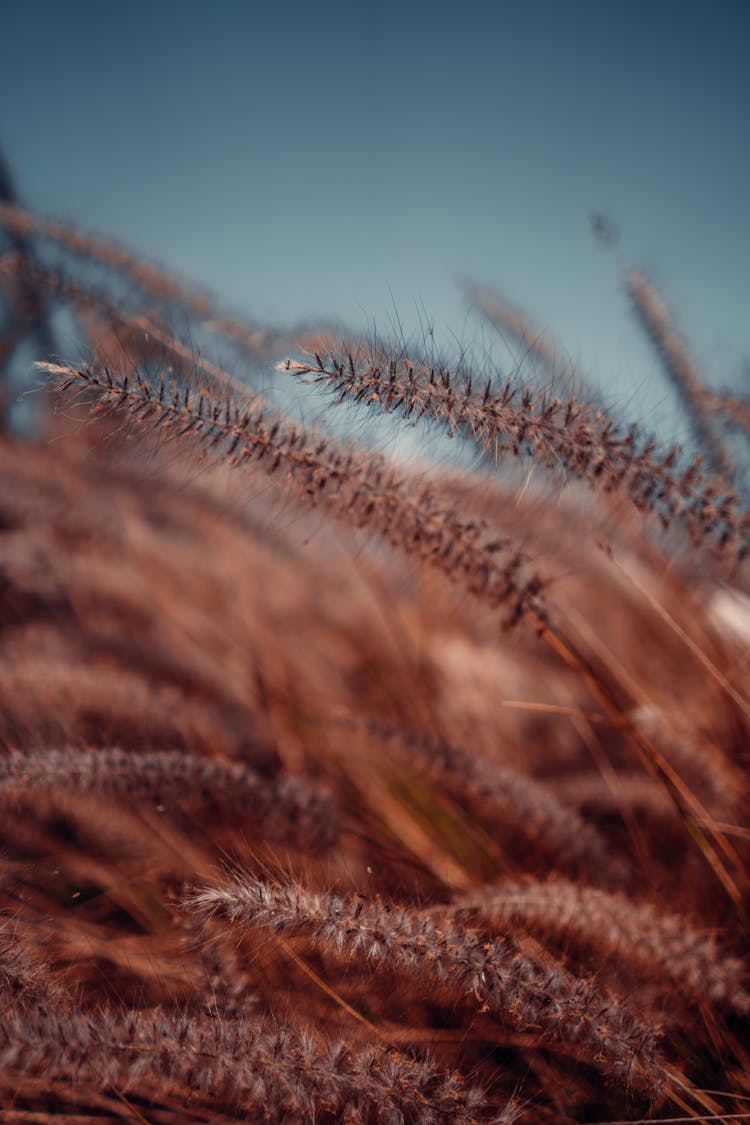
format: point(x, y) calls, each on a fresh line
point(293, 829)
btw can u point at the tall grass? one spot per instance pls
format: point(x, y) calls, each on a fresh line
point(342, 786)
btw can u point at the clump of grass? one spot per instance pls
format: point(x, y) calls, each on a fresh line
point(343, 788)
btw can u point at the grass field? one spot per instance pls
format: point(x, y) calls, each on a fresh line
point(341, 784)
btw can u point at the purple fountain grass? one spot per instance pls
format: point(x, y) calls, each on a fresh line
point(681, 369)
point(287, 809)
point(238, 1067)
point(365, 489)
point(613, 927)
point(478, 869)
point(458, 965)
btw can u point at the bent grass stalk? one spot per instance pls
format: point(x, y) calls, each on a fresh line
point(285, 809)
point(613, 926)
point(240, 1066)
point(565, 436)
point(567, 1013)
point(681, 369)
point(365, 489)
point(507, 800)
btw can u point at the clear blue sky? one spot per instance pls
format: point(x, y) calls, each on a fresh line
point(308, 160)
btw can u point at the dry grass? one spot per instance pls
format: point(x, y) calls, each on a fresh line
point(337, 787)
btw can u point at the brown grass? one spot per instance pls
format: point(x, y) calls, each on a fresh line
point(338, 787)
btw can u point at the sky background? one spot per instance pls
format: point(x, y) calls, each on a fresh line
point(349, 161)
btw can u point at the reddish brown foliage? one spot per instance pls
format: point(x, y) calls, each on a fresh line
point(295, 826)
